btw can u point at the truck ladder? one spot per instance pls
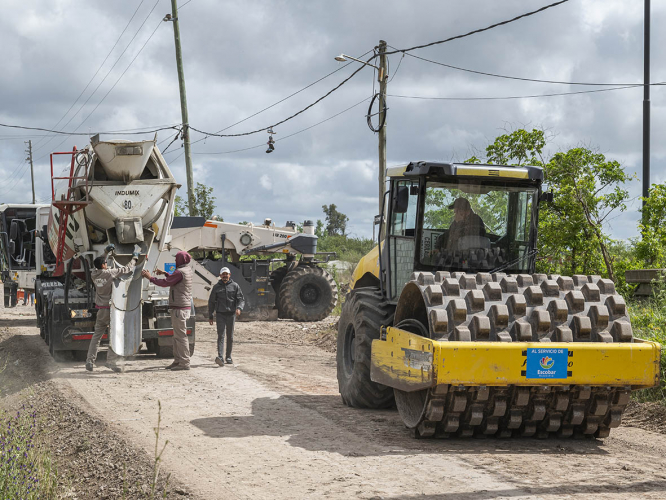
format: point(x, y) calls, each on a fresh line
point(67, 204)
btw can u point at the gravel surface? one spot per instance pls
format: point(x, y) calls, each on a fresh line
point(273, 426)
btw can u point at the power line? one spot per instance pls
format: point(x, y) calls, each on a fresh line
point(518, 96)
point(98, 69)
point(105, 77)
point(289, 117)
point(508, 77)
point(283, 99)
point(9, 189)
point(87, 133)
point(116, 83)
point(457, 37)
point(181, 6)
point(262, 145)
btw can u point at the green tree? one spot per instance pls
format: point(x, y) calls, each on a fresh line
point(587, 189)
point(336, 222)
point(651, 249)
point(204, 203)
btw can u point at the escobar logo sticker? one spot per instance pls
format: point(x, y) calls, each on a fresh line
point(547, 363)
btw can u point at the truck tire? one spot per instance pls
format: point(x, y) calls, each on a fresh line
point(276, 278)
point(308, 293)
point(363, 314)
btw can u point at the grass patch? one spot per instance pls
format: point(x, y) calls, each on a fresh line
point(26, 468)
point(648, 321)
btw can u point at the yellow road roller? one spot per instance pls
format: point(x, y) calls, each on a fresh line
point(448, 320)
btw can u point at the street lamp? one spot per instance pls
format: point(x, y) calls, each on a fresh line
point(344, 57)
point(383, 81)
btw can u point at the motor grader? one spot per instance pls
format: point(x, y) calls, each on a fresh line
point(463, 336)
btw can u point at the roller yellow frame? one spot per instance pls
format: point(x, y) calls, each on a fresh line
point(410, 363)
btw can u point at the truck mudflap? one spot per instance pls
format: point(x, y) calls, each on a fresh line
point(409, 363)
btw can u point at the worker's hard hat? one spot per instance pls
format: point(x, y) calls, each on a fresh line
point(224, 270)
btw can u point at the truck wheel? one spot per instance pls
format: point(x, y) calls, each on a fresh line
point(276, 278)
point(363, 314)
point(308, 293)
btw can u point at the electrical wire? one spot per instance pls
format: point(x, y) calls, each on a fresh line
point(105, 77)
point(396, 69)
point(10, 188)
point(181, 6)
point(98, 70)
point(480, 30)
point(283, 99)
point(289, 117)
point(518, 96)
point(172, 141)
point(6, 125)
point(508, 77)
point(113, 86)
point(263, 144)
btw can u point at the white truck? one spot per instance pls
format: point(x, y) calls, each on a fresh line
point(18, 249)
point(119, 192)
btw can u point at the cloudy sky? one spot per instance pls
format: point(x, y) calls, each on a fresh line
point(243, 56)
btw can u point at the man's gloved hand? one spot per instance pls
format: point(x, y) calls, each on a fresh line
point(135, 255)
point(110, 248)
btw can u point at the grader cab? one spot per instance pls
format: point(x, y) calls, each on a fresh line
point(448, 320)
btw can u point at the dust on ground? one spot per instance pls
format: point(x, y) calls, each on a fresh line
point(273, 426)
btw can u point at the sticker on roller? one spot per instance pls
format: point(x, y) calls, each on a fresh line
point(547, 363)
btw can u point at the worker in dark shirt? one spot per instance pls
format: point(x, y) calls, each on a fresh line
point(226, 301)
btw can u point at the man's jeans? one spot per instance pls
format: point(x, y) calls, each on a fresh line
point(225, 322)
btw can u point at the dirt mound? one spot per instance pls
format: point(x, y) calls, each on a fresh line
point(92, 459)
point(649, 416)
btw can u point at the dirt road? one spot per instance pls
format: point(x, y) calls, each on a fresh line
point(273, 426)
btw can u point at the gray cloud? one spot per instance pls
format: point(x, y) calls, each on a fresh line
point(243, 56)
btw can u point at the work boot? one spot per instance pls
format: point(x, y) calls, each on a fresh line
point(229, 360)
point(114, 367)
point(89, 366)
point(178, 368)
point(219, 361)
point(171, 366)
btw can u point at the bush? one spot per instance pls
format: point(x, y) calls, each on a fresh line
point(648, 321)
point(26, 470)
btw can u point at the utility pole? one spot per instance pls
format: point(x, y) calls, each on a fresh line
point(383, 76)
point(183, 106)
point(32, 171)
point(646, 100)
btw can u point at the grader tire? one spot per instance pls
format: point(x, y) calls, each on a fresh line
point(308, 293)
point(524, 308)
point(363, 314)
point(276, 278)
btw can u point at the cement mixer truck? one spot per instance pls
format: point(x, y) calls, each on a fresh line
point(111, 192)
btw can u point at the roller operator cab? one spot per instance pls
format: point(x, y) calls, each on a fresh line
point(448, 320)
